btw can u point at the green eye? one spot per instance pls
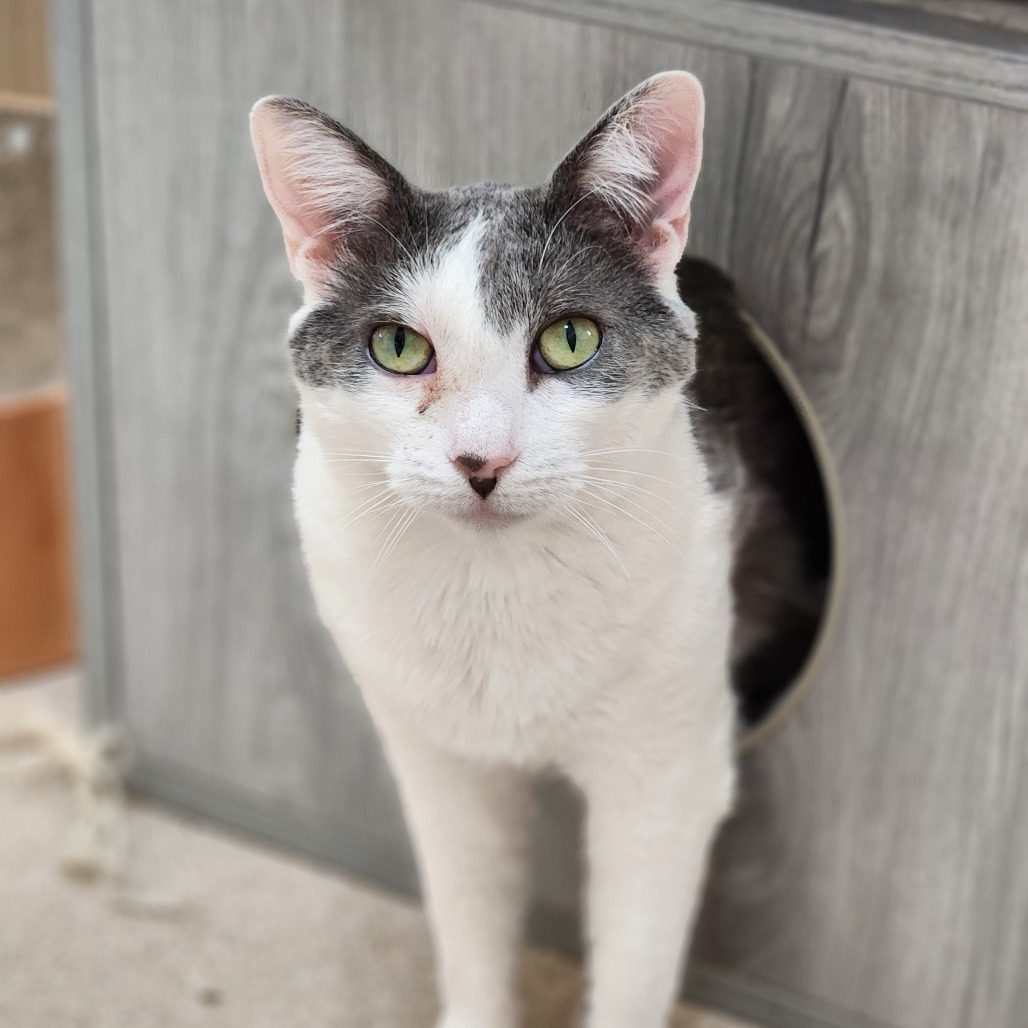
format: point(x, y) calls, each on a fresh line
point(567, 344)
point(400, 349)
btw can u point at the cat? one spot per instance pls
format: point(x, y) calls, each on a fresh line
point(525, 520)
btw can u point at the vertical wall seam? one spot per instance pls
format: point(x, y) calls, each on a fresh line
point(84, 295)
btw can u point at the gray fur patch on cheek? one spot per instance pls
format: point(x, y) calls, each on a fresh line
point(326, 350)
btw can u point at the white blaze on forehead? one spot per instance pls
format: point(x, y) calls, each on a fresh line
point(442, 298)
point(482, 372)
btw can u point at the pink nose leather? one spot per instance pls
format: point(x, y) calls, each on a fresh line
point(481, 472)
point(482, 467)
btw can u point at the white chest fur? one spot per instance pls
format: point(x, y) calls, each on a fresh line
point(519, 645)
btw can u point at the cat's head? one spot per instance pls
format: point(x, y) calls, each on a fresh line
point(479, 347)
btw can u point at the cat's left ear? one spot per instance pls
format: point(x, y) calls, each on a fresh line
point(641, 161)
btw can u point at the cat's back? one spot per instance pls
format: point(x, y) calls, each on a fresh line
point(758, 451)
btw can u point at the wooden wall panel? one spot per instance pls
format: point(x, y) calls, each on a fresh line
point(228, 682)
point(886, 820)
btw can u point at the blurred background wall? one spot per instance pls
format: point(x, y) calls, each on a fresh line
point(24, 50)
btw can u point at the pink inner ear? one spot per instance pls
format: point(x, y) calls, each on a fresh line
point(673, 195)
point(670, 119)
point(315, 183)
point(269, 130)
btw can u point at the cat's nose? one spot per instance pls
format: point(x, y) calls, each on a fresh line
point(482, 472)
point(482, 486)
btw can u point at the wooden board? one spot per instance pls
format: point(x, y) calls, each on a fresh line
point(37, 623)
point(886, 820)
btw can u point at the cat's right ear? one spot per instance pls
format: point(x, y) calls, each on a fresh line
point(321, 180)
point(641, 162)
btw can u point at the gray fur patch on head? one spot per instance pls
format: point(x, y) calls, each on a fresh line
point(547, 254)
point(408, 232)
point(539, 262)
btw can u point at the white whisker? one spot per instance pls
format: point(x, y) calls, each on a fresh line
point(644, 509)
point(633, 449)
point(379, 481)
point(390, 532)
point(398, 533)
point(628, 514)
point(354, 460)
point(578, 253)
point(617, 487)
point(377, 504)
point(368, 217)
point(620, 469)
point(355, 453)
point(546, 245)
point(598, 533)
point(385, 529)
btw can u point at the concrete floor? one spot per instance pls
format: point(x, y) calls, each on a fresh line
point(206, 929)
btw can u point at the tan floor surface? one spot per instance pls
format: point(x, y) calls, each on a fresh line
point(249, 939)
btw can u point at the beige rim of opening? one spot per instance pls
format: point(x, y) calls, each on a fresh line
point(836, 520)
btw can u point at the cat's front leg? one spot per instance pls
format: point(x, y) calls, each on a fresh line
point(650, 825)
point(469, 827)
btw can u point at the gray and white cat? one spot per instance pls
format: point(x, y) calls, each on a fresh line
point(517, 532)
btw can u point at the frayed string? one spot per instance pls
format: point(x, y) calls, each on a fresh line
point(95, 765)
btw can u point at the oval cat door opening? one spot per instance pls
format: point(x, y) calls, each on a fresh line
point(785, 575)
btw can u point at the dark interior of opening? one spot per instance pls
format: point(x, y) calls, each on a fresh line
point(751, 433)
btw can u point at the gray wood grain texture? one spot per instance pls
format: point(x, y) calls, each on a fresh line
point(893, 44)
point(1001, 14)
point(227, 677)
point(877, 865)
point(879, 857)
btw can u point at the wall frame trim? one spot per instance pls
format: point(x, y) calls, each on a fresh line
point(892, 44)
point(84, 292)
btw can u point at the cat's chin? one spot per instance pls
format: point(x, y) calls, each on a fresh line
point(485, 518)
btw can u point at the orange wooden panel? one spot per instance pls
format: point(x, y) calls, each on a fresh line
point(37, 622)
